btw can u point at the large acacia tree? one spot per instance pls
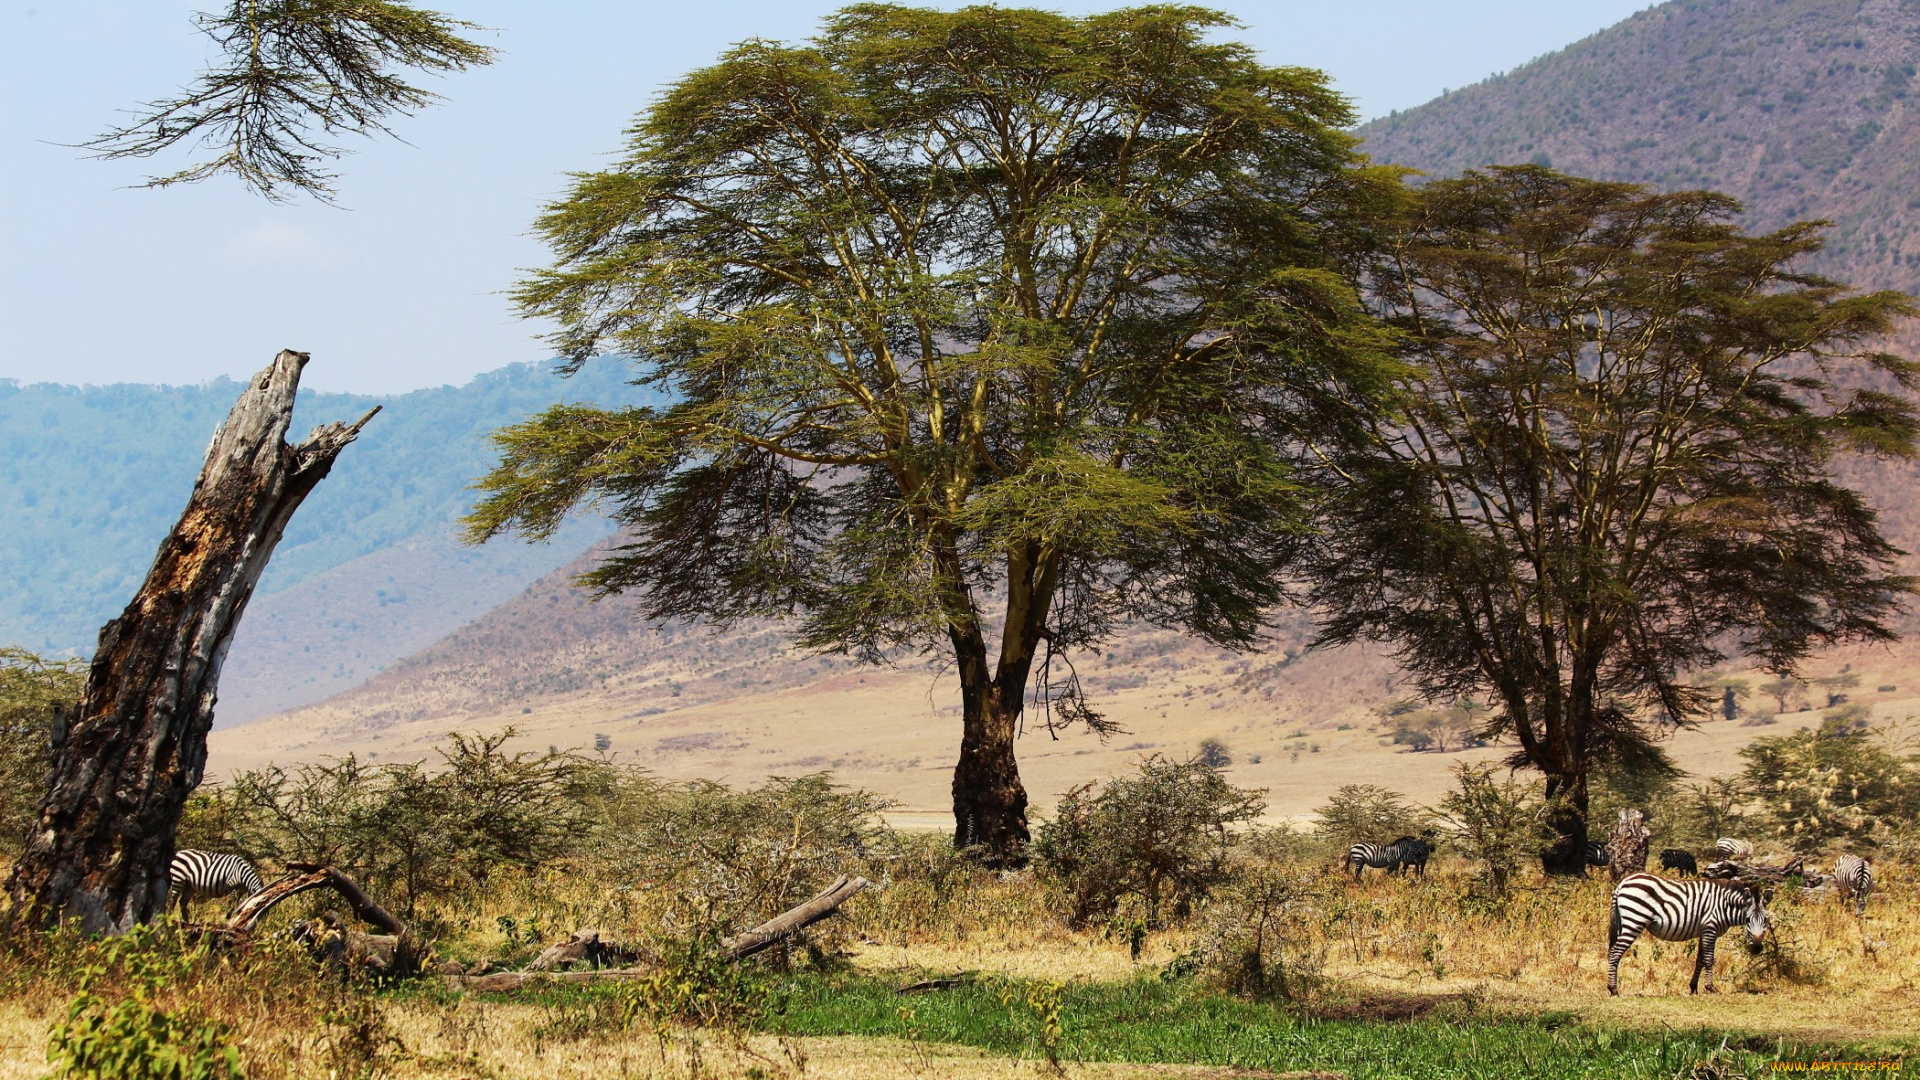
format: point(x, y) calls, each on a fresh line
point(981, 315)
point(1614, 468)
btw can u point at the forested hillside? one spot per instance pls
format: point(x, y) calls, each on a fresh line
point(91, 477)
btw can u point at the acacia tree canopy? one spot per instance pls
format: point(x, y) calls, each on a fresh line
point(1614, 466)
point(990, 307)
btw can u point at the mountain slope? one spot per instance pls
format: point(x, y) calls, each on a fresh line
point(92, 477)
point(1801, 108)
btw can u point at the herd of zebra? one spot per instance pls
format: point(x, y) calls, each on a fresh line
point(1669, 909)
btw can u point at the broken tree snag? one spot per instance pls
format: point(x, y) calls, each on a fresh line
point(773, 930)
point(137, 745)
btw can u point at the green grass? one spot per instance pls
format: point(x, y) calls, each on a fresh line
point(1156, 1022)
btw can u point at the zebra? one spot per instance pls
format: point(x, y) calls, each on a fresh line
point(1597, 854)
point(1678, 910)
point(1728, 848)
point(1854, 876)
point(1683, 861)
point(195, 874)
point(1414, 852)
point(1394, 858)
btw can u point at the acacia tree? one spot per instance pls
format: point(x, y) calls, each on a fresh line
point(1614, 465)
point(987, 313)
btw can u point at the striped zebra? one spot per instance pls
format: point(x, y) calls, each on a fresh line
point(1597, 854)
point(1728, 848)
point(1394, 858)
point(1854, 876)
point(1678, 910)
point(195, 874)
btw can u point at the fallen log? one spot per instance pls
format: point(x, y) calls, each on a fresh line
point(137, 745)
point(1762, 874)
point(786, 925)
point(585, 946)
point(737, 947)
point(307, 876)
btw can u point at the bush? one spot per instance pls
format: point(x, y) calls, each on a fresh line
point(31, 688)
point(1159, 838)
point(132, 1040)
point(1256, 940)
point(730, 858)
point(407, 830)
point(1496, 823)
point(1364, 812)
point(1834, 783)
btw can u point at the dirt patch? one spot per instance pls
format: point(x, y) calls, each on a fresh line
point(1392, 1007)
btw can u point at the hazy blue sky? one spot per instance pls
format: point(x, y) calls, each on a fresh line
point(101, 281)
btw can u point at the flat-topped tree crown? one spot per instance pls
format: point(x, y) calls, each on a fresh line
point(1615, 465)
point(990, 301)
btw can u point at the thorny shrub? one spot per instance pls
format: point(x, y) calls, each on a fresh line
point(1158, 839)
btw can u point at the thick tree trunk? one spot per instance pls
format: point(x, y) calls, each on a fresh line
point(99, 851)
point(989, 802)
point(1567, 854)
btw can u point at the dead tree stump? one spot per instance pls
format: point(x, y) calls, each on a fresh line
point(1627, 850)
point(99, 850)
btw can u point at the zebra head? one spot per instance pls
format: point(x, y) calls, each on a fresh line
point(1756, 905)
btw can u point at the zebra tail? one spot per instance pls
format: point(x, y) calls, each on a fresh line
point(1613, 924)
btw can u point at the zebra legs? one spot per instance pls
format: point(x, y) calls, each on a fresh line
point(1703, 960)
point(1623, 938)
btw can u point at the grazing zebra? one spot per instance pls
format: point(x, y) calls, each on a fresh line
point(195, 874)
point(1379, 856)
point(1729, 848)
point(1854, 876)
point(1678, 910)
point(1393, 858)
point(1597, 854)
point(1683, 861)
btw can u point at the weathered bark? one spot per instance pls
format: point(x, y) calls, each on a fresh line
point(785, 925)
point(307, 876)
point(1627, 849)
point(99, 851)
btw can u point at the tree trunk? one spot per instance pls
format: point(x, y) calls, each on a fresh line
point(989, 802)
point(1568, 819)
point(100, 848)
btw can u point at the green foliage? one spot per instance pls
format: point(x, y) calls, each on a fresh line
point(115, 1030)
point(1359, 813)
point(1701, 813)
point(92, 477)
point(132, 1040)
point(1158, 839)
point(32, 688)
point(952, 304)
point(1254, 940)
point(1608, 476)
point(697, 984)
point(1496, 823)
point(1834, 783)
point(1150, 1020)
point(294, 72)
point(406, 829)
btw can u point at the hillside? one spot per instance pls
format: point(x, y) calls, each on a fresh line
point(92, 477)
point(1801, 107)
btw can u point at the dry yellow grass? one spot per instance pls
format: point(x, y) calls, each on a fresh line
point(894, 732)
